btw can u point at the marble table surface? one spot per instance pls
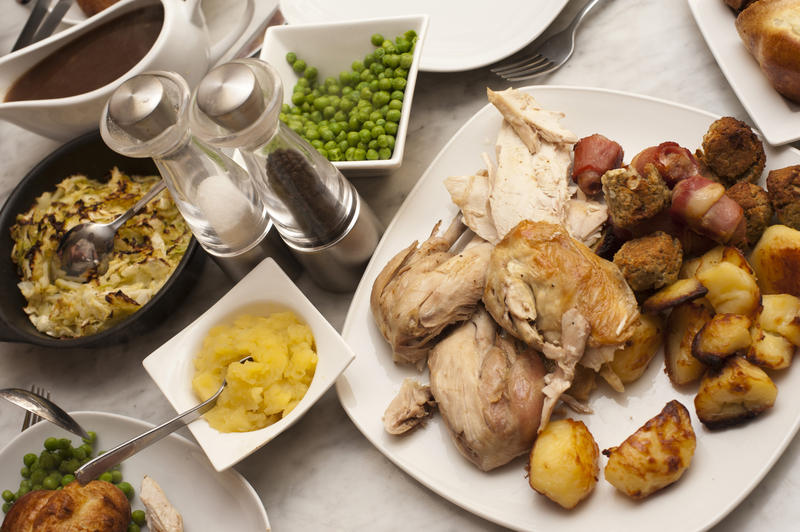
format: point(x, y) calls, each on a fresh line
point(322, 474)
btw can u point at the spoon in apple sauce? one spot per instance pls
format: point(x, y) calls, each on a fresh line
point(93, 468)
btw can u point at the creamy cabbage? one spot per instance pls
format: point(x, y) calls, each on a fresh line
point(147, 250)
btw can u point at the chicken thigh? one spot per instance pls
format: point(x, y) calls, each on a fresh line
point(488, 388)
point(422, 290)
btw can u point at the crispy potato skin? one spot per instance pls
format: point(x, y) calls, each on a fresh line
point(733, 394)
point(680, 291)
point(563, 463)
point(654, 456)
point(731, 289)
point(683, 323)
point(780, 314)
point(769, 350)
point(776, 260)
point(632, 360)
point(725, 335)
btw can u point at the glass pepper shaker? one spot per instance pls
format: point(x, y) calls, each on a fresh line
point(317, 212)
point(147, 117)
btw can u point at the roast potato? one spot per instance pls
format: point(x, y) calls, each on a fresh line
point(776, 260)
point(563, 463)
point(733, 393)
point(678, 292)
point(731, 289)
point(769, 350)
point(723, 336)
point(631, 360)
point(682, 325)
point(654, 456)
point(780, 314)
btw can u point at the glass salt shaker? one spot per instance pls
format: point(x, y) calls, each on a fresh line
point(317, 212)
point(147, 117)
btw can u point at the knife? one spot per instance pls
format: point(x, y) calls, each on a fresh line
point(37, 14)
point(52, 20)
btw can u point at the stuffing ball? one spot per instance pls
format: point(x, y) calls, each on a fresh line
point(732, 152)
point(758, 212)
point(633, 198)
point(650, 262)
point(783, 189)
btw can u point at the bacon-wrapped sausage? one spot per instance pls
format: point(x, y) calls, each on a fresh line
point(703, 206)
point(594, 156)
point(674, 162)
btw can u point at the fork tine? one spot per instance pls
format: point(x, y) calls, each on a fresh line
point(26, 422)
point(542, 69)
point(515, 64)
point(535, 62)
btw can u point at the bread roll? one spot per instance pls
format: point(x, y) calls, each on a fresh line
point(769, 29)
point(96, 506)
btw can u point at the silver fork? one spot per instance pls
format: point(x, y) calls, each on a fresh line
point(549, 55)
point(32, 419)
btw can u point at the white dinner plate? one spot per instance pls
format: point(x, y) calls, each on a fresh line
point(727, 464)
point(461, 35)
point(776, 117)
point(206, 499)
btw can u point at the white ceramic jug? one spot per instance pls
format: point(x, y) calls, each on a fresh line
point(182, 46)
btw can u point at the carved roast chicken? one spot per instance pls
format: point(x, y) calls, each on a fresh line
point(423, 289)
point(489, 390)
point(555, 294)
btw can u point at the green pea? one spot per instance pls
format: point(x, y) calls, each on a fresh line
point(354, 122)
point(384, 84)
point(360, 154)
point(381, 98)
point(342, 145)
point(378, 54)
point(291, 57)
point(401, 73)
point(105, 477)
point(397, 95)
point(323, 152)
point(403, 44)
point(7, 507)
point(116, 476)
point(383, 141)
point(391, 61)
point(368, 60)
point(406, 60)
point(350, 153)
point(331, 144)
point(372, 145)
point(310, 73)
point(50, 483)
point(8, 495)
point(133, 527)
point(410, 35)
point(376, 68)
point(47, 461)
point(374, 86)
point(393, 115)
point(377, 131)
point(22, 491)
point(366, 75)
point(25, 472)
point(138, 517)
point(25, 483)
point(389, 46)
point(29, 459)
point(51, 444)
point(66, 479)
point(127, 489)
point(385, 153)
point(395, 104)
point(372, 155)
point(391, 128)
point(365, 135)
point(299, 66)
point(357, 66)
point(399, 83)
point(335, 154)
point(376, 39)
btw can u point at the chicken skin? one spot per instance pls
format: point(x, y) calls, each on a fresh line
point(425, 288)
point(488, 388)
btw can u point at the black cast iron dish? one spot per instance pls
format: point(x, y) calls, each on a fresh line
point(90, 156)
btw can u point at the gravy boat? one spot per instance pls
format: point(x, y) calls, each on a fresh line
point(182, 46)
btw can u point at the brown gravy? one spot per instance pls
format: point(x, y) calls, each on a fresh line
point(93, 60)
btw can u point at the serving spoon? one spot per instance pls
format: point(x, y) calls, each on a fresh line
point(87, 247)
point(44, 408)
point(93, 468)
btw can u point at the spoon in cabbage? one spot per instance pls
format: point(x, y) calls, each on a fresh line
point(93, 468)
point(87, 247)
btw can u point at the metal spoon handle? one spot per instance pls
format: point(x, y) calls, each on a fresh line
point(44, 408)
point(93, 468)
point(154, 191)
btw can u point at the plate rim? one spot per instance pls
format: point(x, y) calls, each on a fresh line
point(774, 135)
point(245, 484)
point(439, 66)
point(342, 385)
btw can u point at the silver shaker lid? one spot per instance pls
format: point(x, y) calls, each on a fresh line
point(142, 107)
point(231, 96)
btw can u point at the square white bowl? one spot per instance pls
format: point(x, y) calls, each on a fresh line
point(332, 48)
point(266, 289)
